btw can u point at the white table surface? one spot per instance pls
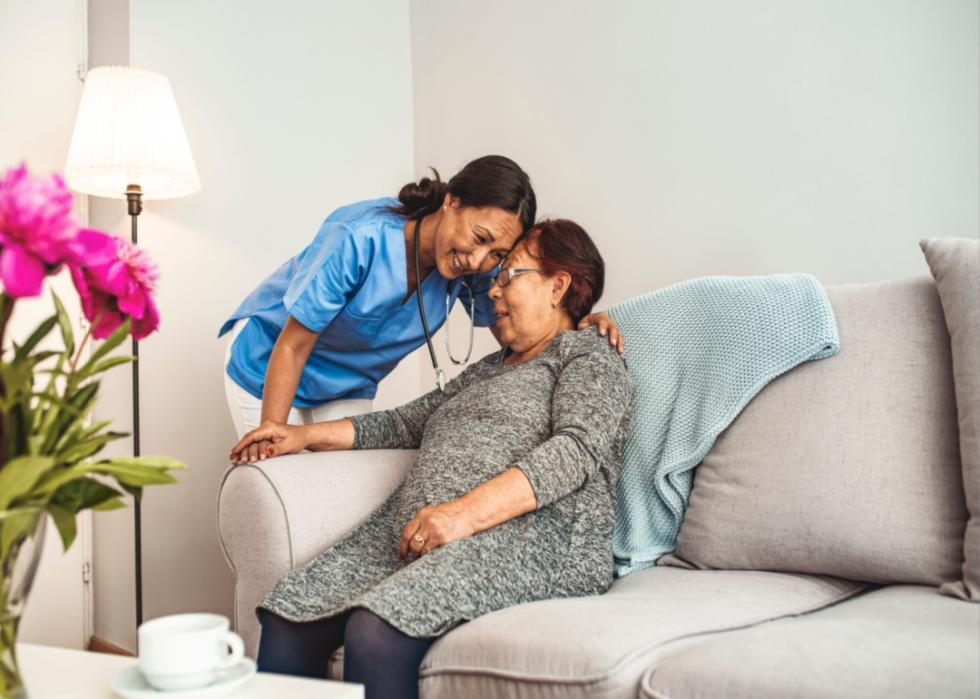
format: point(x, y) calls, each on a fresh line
point(50, 672)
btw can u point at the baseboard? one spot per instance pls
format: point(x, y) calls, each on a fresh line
point(98, 645)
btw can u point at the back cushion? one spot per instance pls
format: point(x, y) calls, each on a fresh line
point(955, 264)
point(846, 466)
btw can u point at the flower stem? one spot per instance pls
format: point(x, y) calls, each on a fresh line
point(81, 348)
point(6, 310)
point(78, 355)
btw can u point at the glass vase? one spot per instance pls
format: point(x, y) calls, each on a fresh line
point(21, 543)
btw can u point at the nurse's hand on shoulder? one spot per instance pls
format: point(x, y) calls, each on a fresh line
point(267, 440)
point(607, 326)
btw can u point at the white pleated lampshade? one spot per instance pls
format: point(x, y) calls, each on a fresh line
point(128, 131)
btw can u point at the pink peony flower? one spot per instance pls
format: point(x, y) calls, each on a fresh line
point(36, 229)
point(117, 288)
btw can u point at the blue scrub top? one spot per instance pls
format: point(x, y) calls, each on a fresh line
point(349, 286)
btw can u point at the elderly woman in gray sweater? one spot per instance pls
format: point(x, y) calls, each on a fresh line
point(510, 498)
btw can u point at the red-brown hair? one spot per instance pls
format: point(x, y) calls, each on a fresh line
point(563, 245)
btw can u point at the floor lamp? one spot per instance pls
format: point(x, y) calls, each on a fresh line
point(129, 143)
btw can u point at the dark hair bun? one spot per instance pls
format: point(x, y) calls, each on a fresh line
point(422, 197)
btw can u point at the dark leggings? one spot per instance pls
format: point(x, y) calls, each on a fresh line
point(376, 654)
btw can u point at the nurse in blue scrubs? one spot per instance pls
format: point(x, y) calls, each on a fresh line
point(313, 341)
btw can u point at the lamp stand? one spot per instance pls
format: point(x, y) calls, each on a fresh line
point(134, 196)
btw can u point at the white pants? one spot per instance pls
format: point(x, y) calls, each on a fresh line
point(246, 409)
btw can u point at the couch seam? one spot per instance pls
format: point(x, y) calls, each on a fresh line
point(614, 668)
point(654, 694)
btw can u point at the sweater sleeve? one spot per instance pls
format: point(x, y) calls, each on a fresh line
point(593, 396)
point(403, 427)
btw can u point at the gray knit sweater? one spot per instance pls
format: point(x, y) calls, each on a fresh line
point(562, 418)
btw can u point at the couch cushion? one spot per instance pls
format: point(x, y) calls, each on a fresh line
point(848, 466)
point(599, 646)
point(955, 264)
point(899, 641)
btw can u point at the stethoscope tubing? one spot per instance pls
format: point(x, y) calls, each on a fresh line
point(440, 374)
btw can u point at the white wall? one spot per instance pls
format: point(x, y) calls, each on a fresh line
point(39, 89)
point(291, 110)
point(717, 137)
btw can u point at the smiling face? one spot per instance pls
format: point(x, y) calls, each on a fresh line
point(528, 308)
point(470, 239)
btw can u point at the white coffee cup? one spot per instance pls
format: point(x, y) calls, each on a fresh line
point(184, 651)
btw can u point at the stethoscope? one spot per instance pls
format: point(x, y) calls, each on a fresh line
point(440, 374)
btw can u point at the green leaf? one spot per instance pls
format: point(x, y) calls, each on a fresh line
point(110, 343)
point(80, 434)
point(83, 449)
point(19, 421)
point(125, 473)
point(64, 324)
point(112, 504)
point(135, 490)
point(65, 521)
point(97, 427)
point(39, 357)
point(82, 494)
point(156, 462)
point(18, 475)
point(133, 474)
point(104, 365)
point(48, 399)
point(39, 334)
point(54, 372)
point(70, 415)
point(15, 526)
point(17, 379)
point(45, 418)
point(59, 477)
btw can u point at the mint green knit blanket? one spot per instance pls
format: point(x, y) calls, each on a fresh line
point(699, 351)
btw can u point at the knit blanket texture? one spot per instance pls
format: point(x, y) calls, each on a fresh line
point(699, 351)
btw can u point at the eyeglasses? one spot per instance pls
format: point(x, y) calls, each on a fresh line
point(506, 276)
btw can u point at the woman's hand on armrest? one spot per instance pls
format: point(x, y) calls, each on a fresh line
point(268, 439)
point(277, 439)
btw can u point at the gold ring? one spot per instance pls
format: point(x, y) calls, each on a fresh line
point(419, 539)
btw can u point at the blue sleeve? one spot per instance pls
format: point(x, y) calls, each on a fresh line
point(482, 307)
point(329, 273)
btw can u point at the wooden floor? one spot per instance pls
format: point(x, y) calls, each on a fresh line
point(97, 645)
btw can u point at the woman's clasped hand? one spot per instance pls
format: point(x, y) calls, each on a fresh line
point(434, 526)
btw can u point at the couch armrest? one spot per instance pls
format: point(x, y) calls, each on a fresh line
point(277, 515)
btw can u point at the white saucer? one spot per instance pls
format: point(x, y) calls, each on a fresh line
point(130, 684)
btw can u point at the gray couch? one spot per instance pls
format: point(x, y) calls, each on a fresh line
point(819, 529)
